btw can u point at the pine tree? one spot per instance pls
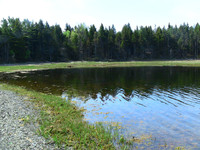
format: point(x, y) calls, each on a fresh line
point(91, 37)
point(111, 42)
point(127, 41)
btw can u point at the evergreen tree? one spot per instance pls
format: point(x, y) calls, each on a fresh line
point(127, 41)
point(136, 43)
point(159, 38)
point(17, 42)
point(111, 42)
point(91, 37)
point(101, 42)
point(197, 40)
point(119, 52)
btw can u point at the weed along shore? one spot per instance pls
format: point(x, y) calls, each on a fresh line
point(48, 121)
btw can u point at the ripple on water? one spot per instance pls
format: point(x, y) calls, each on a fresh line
point(163, 102)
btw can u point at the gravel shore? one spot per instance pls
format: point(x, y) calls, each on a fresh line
point(18, 126)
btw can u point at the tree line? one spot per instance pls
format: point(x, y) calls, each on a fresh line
point(27, 41)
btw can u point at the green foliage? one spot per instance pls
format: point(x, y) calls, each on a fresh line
point(31, 41)
point(67, 34)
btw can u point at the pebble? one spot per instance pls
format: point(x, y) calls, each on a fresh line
point(15, 134)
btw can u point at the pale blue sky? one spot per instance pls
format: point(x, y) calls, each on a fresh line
point(108, 12)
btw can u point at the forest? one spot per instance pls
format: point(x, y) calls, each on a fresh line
point(28, 41)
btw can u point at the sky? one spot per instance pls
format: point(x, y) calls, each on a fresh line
point(118, 12)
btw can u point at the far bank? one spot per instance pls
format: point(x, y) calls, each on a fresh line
point(93, 64)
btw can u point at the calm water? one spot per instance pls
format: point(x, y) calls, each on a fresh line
point(159, 103)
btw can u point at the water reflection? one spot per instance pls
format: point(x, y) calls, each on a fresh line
point(160, 101)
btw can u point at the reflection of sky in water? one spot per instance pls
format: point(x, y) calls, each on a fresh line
point(169, 116)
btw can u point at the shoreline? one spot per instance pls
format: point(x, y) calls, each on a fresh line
point(6, 68)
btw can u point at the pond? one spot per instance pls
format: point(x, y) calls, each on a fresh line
point(160, 104)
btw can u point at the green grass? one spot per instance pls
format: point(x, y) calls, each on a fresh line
point(64, 122)
point(90, 64)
